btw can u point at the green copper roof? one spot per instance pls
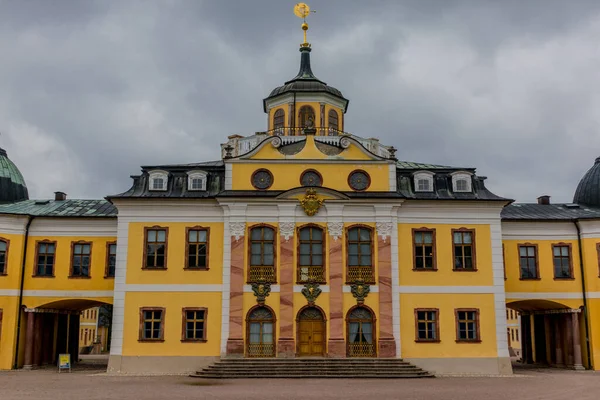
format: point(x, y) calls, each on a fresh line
point(9, 170)
point(62, 208)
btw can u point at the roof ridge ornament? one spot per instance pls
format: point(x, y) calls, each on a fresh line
point(302, 10)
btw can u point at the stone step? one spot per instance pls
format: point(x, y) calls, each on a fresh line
point(308, 371)
point(313, 376)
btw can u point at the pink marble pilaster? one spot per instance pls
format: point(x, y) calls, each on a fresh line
point(558, 342)
point(286, 346)
point(235, 342)
point(336, 346)
point(577, 363)
point(386, 343)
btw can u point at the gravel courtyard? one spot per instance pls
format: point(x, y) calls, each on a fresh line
point(93, 384)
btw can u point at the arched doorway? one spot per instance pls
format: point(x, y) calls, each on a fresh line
point(360, 324)
point(260, 335)
point(311, 332)
point(549, 333)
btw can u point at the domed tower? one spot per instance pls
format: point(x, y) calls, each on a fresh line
point(12, 184)
point(305, 101)
point(588, 190)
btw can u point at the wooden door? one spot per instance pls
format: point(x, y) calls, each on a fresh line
point(311, 338)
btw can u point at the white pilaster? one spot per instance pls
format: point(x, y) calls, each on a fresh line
point(499, 292)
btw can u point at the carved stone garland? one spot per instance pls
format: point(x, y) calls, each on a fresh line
point(311, 291)
point(335, 229)
point(261, 291)
point(384, 229)
point(360, 290)
point(286, 229)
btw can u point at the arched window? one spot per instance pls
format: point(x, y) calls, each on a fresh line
point(279, 119)
point(310, 255)
point(334, 126)
point(260, 333)
point(262, 254)
point(360, 254)
point(306, 117)
point(361, 335)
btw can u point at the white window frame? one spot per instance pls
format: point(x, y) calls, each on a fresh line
point(197, 175)
point(423, 175)
point(462, 175)
point(158, 174)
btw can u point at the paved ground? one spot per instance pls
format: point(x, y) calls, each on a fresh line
point(90, 384)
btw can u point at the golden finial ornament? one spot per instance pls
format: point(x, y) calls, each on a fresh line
point(302, 10)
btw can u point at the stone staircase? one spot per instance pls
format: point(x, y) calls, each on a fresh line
point(311, 368)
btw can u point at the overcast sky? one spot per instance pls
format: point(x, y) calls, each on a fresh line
point(91, 90)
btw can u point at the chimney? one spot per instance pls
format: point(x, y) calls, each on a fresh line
point(60, 196)
point(545, 199)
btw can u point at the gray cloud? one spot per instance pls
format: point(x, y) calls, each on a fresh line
point(91, 90)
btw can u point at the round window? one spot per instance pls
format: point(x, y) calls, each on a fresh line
point(359, 180)
point(262, 179)
point(311, 177)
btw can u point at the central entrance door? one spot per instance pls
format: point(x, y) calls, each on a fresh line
point(311, 333)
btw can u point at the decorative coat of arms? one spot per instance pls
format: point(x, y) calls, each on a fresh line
point(360, 290)
point(311, 203)
point(311, 291)
point(261, 291)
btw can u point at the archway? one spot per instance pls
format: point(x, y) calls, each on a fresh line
point(260, 332)
point(360, 325)
point(549, 333)
point(57, 327)
point(310, 325)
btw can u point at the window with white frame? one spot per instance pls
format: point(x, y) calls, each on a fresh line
point(461, 182)
point(196, 180)
point(423, 181)
point(158, 180)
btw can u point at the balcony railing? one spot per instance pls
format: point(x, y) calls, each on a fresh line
point(361, 273)
point(361, 350)
point(311, 274)
point(261, 274)
point(260, 350)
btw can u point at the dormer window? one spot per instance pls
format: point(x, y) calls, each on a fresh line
point(423, 181)
point(461, 182)
point(158, 180)
point(196, 180)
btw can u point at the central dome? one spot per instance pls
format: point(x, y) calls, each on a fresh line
point(305, 81)
point(588, 190)
point(12, 184)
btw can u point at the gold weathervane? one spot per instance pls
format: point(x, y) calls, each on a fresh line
point(302, 10)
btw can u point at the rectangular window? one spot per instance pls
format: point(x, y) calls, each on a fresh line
point(111, 259)
point(158, 184)
point(563, 266)
point(423, 185)
point(81, 255)
point(197, 248)
point(156, 248)
point(3, 256)
point(197, 184)
point(152, 321)
point(467, 325)
point(45, 256)
point(262, 254)
point(360, 255)
point(194, 324)
point(427, 325)
point(528, 262)
point(0, 325)
point(310, 255)
point(512, 332)
point(464, 249)
point(424, 249)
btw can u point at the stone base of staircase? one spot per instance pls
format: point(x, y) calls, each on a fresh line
point(365, 368)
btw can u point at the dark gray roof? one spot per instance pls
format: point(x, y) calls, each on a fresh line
point(12, 184)
point(305, 81)
point(548, 212)
point(588, 190)
point(421, 166)
point(62, 208)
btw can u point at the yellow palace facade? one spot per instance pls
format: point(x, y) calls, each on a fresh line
point(300, 241)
